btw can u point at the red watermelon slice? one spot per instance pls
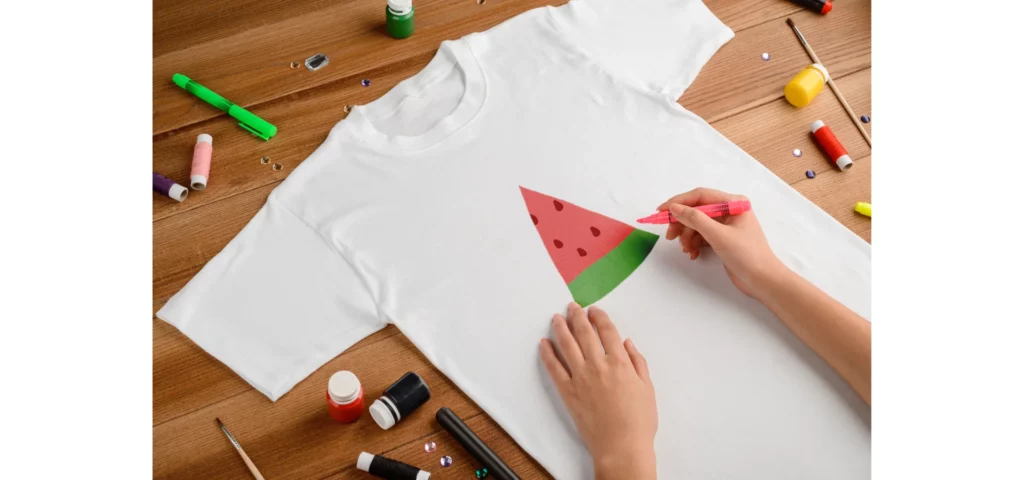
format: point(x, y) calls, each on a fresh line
point(592, 252)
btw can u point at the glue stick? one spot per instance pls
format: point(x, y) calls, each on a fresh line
point(201, 157)
point(827, 140)
point(806, 85)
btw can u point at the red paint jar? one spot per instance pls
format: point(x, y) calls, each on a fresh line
point(344, 397)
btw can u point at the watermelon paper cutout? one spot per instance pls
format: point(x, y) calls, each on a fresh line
point(592, 252)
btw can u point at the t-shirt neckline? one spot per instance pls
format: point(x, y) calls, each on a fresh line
point(451, 54)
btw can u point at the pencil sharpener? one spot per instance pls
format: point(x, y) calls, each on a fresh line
point(316, 62)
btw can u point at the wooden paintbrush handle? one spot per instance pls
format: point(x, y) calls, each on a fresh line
point(252, 466)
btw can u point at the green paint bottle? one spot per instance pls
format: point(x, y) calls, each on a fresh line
point(399, 18)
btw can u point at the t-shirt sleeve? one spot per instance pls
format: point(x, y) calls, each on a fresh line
point(661, 44)
point(277, 303)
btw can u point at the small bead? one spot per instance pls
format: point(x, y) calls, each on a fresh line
point(797, 152)
point(429, 447)
point(810, 174)
point(365, 82)
point(765, 56)
point(865, 119)
point(446, 461)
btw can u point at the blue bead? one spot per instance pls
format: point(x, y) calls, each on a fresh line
point(810, 174)
point(366, 82)
point(865, 119)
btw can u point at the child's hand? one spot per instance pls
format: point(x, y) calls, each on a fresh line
point(737, 239)
point(605, 385)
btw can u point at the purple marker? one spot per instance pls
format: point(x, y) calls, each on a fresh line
point(166, 186)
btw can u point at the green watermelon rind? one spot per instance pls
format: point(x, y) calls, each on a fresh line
point(602, 276)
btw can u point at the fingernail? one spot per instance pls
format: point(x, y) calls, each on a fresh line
point(573, 306)
point(630, 342)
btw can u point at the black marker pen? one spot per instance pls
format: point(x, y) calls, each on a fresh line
point(476, 447)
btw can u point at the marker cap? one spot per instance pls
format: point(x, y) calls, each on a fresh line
point(400, 7)
point(821, 68)
point(178, 192)
point(343, 387)
point(382, 415)
point(364, 460)
point(198, 182)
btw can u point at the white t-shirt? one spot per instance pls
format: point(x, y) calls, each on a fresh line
point(428, 208)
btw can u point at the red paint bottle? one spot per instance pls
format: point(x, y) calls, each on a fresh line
point(344, 397)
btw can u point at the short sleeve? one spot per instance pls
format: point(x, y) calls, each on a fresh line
point(662, 44)
point(274, 305)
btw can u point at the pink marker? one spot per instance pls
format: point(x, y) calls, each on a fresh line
point(734, 207)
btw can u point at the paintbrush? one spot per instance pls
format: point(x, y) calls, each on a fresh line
point(832, 85)
point(245, 458)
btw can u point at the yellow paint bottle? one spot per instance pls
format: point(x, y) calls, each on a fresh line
point(806, 85)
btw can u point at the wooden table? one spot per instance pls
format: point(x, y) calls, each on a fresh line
point(243, 49)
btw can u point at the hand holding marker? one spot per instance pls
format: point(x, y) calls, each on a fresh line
point(732, 207)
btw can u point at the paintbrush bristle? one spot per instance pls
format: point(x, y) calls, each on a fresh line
point(789, 21)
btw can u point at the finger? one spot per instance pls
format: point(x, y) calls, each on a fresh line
point(590, 345)
point(698, 220)
point(687, 240)
point(699, 196)
point(567, 344)
point(606, 331)
point(673, 231)
point(638, 360)
point(555, 369)
point(697, 243)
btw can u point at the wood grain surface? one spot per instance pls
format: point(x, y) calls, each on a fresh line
point(243, 50)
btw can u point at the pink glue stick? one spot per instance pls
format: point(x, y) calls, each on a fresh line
point(201, 157)
point(733, 207)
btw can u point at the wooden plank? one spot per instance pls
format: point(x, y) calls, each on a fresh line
point(252, 66)
point(837, 193)
point(180, 24)
point(183, 244)
point(294, 438)
point(305, 118)
point(772, 131)
point(186, 378)
point(736, 78)
point(463, 465)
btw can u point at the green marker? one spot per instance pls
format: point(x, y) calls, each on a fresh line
point(255, 125)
